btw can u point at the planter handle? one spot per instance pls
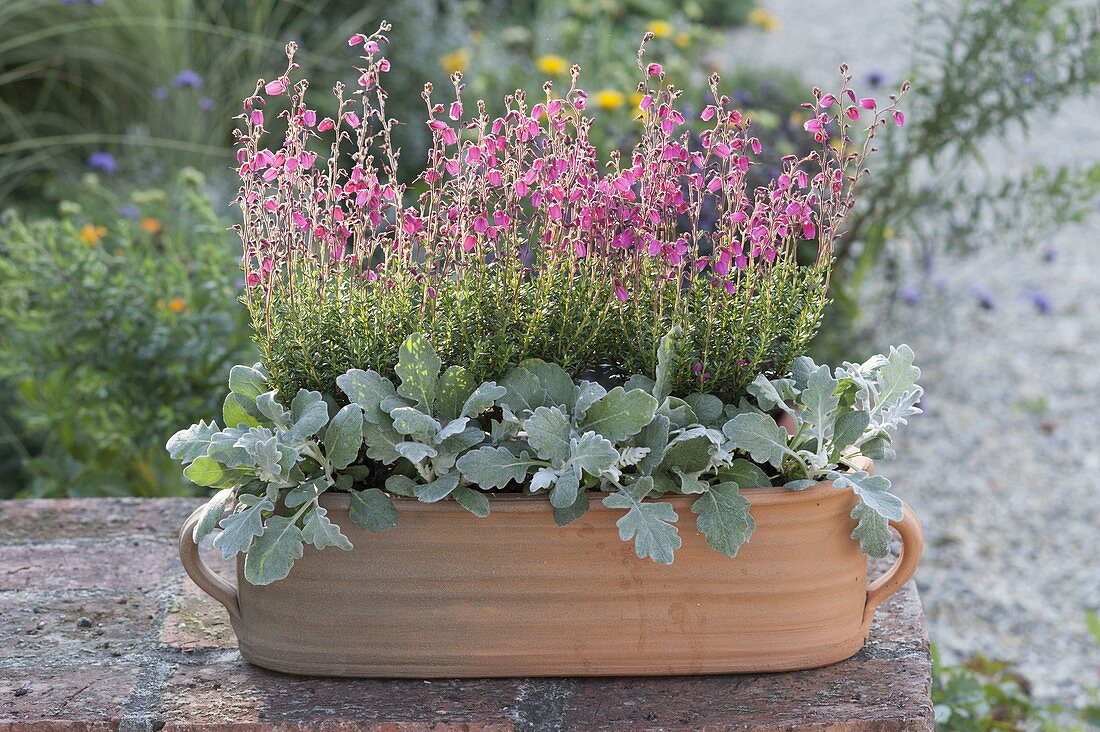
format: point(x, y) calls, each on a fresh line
point(208, 581)
point(912, 546)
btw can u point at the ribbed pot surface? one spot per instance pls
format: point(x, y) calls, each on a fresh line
point(446, 594)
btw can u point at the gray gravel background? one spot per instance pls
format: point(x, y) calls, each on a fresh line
point(1003, 467)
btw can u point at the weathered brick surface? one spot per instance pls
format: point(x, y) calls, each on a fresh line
point(100, 630)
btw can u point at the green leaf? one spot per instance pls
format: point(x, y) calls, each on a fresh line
point(800, 485)
point(247, 382)
point(593, 454)
point(494, 467)
point(401, 485)
point(724, 518)
point(707, 407)
point(548, 432)
point(620, 414)
point(206, 471)
point(564, 492)
point(372, 510)
point(473, 501)
point(559, 387)
point(649, 524)
point(415, 452)
point(309, 414)
point(418, 368)
point(306, 492)
point(878, 448)
point(211, 512)
point(666, 363)
point(692, 451)
point(269, 406)
point(744, 474)
point(759, 436)
point(849, 427)
point(382, 441)
point(344, 436)
point(319, 531)
point(872, 531)
point(587, 393)
point(225, 449)
point(690, 484)
point(192, 443)
point(464, 440)
point(640, 381)
point(453, 428)
point(820, 402)
point(522, 391)
point(455, 387)
point(269, 455)
point(771, 394)
point(368, 389)
point(239, 528)
point(273, 552)
point(236, 410)
point(411, 421)
point(438, 489)
point(484, 398)
point(899, 377)
point(801, 368)
point(654, 437)
point(569, 514)
point(679, 413)
point(873, 490)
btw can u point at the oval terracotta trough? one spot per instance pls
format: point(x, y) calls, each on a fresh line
point(446, 594)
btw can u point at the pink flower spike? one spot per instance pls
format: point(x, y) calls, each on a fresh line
point(469, 243)
point(708, 113)
point(756, 146)
point(852, 112)
point(370, 47)
point(253, 279)
point(580, 249)
point(867, 103)
point(352, 119)
point(277, 87)
point(647, 101)
point(827, 101)
point(622, 294)
point(456, 110)
point(655, 70)
point(326, 125)
point(309, 118)
point(812, 125)
point(899, 118)
point(257, 118)
point(356, 39)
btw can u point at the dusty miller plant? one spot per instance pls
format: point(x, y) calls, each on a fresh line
point(438, 435)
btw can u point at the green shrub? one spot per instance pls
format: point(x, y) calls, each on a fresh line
point(111, 331)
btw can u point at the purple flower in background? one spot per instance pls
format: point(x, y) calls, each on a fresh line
point(129, 211)
point(206, 104)
point(1041, 301)
point(187, 79)
point(985, 297)
point(876, 77)
point(103, 161)
point(1050, 255)
point(910, 295)
point(160, 93)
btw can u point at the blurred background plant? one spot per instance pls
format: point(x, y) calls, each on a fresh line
point(980, 86)
point(117, 318)
point(156, 82)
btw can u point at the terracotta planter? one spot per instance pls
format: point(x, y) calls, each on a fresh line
point(450, 595)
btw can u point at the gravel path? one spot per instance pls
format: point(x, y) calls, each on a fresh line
point(1003, 467)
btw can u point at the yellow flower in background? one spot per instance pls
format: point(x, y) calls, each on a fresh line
point(660, 28)
point(457, 60)
point(90, 234)
point(551, 64)
point(887, 233)
point(683, 40)
point(764, 20)
point(609, 99)
point(151, 225)
point(177, 305)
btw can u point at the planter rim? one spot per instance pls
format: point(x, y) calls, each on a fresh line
point(517, 502)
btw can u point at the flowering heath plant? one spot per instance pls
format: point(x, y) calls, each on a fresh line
point(523, 318)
